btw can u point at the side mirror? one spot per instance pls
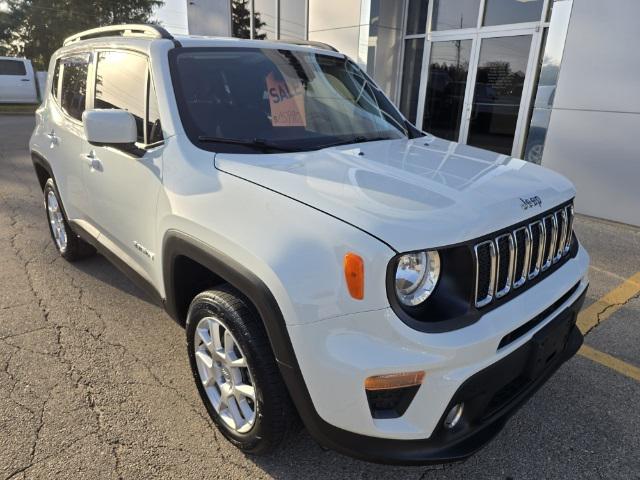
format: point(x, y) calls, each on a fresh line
point(109, 127)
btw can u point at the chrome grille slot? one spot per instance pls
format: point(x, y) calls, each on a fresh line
point(510, 260)
point(523, 256)
point(561, 222)
point(538, 239)
point(567, 245)
point(506, 257)
point(551, 233)
point(485, 255)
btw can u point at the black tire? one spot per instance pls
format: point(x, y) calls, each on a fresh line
point(275, 415)
point(75, 247)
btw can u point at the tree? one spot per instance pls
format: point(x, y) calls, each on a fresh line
point(240, 19)
point(36, 28)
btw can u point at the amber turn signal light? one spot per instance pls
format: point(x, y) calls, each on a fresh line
point(394, 380)
point(354, 275)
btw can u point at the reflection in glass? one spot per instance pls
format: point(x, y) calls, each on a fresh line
point(448, 69)
point(417, 16)
point(411, 77)
point(501, 12)
point(73, 94)
point(241, 18)
point(537, 135)
point(120, 83)
point(264, 23)
point(293, 19)
point(454, 14)
point(498, 91)
point(553, 49)
point(154, 127)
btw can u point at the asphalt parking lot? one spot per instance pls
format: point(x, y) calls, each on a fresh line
point(95, 382)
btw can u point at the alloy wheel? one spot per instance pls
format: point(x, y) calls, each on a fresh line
point(56, 220)
point(224, 373)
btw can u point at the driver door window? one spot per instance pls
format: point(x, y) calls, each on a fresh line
point(121, 79)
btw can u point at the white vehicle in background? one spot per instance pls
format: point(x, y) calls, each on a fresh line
point(18, 83)
point(401, 294)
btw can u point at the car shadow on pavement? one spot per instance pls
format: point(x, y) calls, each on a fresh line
point(101, 269)
point(301, 457)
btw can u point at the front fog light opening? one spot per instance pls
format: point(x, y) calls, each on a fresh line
point(454, 416)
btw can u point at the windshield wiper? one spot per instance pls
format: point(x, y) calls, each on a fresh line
point(258, 143)
point(358, 139)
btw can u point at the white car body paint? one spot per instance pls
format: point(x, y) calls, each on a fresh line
point(290, 218)
point(18, 82)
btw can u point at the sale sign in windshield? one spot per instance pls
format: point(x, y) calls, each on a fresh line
point(287, 102)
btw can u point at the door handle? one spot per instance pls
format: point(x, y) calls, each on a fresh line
point(54, 139)
point(25, 80)
point(93, 161)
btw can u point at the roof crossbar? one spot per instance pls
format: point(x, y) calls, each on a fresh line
point(142, 30)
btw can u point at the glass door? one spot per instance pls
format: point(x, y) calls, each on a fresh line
point(449, 62)
point(499, 79)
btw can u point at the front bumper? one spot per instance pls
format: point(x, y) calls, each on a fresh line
point(469, 365)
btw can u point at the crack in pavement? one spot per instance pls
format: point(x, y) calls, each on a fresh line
point(29, 262)
point(615, 306)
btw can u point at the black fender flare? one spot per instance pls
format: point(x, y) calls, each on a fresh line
point(39, 161)
point(176, 244)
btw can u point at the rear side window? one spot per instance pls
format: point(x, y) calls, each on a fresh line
point(73, 95)
point(121, 82)
point(55, 79)
point(12, 67)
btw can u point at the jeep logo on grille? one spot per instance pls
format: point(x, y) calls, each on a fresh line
point(527, 203)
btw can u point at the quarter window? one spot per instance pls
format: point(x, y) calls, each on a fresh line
point(12, 67)
point(73, 94)
point(154, 128)
point(55, 80)
point(121, 80)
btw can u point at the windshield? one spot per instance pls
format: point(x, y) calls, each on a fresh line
point(252, 100)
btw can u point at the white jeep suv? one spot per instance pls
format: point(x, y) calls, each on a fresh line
point(400, 294)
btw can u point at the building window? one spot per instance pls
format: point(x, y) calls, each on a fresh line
point(411, 66)
point(417, 11)
point(501, 12)
point(455, 14)
point(446, 85)
point(272, 19)
point(500, 78)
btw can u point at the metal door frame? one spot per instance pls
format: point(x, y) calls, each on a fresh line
point(476, 35)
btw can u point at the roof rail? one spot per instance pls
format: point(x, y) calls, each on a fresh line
point(142, 30)
point(309, 43)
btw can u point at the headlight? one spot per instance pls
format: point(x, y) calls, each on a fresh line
point(416, 277)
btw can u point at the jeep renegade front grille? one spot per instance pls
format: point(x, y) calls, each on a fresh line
point(511, 259)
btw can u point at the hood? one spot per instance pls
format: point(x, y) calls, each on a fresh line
point(411, 194)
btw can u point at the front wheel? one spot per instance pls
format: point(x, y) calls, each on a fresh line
point(236, 372)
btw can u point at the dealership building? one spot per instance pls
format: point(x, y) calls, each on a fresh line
point(524, 78)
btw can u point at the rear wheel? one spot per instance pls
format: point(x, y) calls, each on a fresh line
point(236, 372)
point(68, 244)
